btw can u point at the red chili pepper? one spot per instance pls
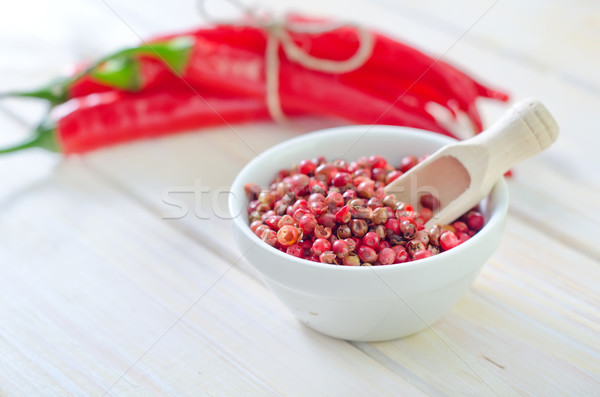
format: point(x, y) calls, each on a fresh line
point(131, 69)
point(224, 68)
point(314, 93)
point(406, 67)
point(108, 118)
point(393, 58)
point(151, 69)
point(414, 95)
point(392, 87)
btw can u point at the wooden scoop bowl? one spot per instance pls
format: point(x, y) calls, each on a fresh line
point(462, 174)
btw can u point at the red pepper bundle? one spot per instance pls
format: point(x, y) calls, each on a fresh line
point(219, 75)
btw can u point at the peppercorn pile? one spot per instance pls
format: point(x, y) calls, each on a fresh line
point(337, 213)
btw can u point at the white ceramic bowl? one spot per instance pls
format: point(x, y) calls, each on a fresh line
point(364, 303)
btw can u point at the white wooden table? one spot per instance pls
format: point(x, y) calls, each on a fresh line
point(105, 289)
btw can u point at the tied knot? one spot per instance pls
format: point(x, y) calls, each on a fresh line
point(278, 35)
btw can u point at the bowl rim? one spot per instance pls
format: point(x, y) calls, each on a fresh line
point(499, 194)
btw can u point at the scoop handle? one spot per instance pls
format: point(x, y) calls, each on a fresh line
point(523, 131)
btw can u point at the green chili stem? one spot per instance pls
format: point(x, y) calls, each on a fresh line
point(174, 53)
point(43, 137)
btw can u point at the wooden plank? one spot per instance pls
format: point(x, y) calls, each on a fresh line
point(92, 283)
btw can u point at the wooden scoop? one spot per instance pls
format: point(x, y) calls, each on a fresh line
point(463, 173)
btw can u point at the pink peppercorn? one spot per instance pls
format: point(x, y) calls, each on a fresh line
point(260, 229)
point(351, 260)
point(269, 237)
point(341, 179)
point(273, 222)
point(316, 197)
point(321, 245)
point(377, 161)
point(317, 207)
point(391, 176)
point(316, 186)
point(287, 235)
point(254, 225)
point(306, 244)
point(475, 220)
point(307, 167)
point(460, 227)
point(379, 190)
point(422, 254)
point(327, 220)
point(387, 256)
point(334, 198)
point(362, 172)
point(266, 197)
point(462, 237)
point(434, 234)
point(341, 164)
point(414, 246)
point(295, 250)
point(429, 201)
point(352, 243)
point(380, 215)
point(319, 160)
point(371, 240)
point(401, 254)
point(380, 230)
point(393, 224)
point(358, 227)
point(327, 257)
point(366, 189)
point(307, 223)
point(367, 254)
point(324, 173)
point(407, 163)
point(300, 213)
point(408, 228)
point(422, 236)
point(252, 190)
point(379, 174)
point(449, 240)
point(322, 232)
point(383, 245)
point(340, 248)
point(349, 195)
point(302, 206)
point(374, 203)
point(425, 214)
point(343, 215)
point(285, 220)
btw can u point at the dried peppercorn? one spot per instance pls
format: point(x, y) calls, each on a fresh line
point(348, 230)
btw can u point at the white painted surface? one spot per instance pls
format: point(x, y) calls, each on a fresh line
point(100, 293)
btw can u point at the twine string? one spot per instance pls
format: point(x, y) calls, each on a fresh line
point(278, 35)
